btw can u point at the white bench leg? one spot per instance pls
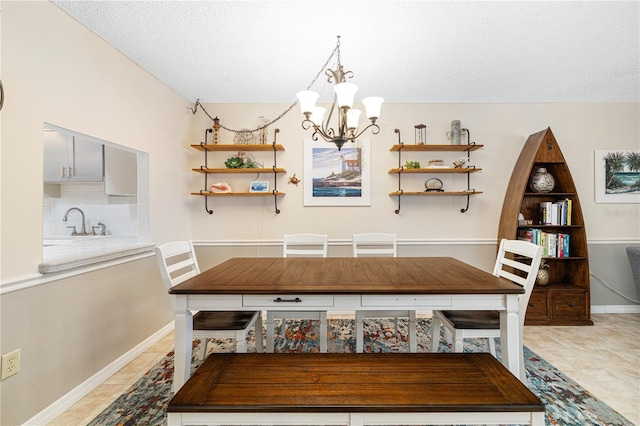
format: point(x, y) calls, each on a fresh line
point(435, 333)
point(323, 332)
point(241, 342)
point(359, 332)
point(258, 334)
point(412, 337)
point(270, 332)
point(458, 345)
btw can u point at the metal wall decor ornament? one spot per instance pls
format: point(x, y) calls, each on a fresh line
point(346, 129)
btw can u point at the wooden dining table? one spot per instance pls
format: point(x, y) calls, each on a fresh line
point(336, 284)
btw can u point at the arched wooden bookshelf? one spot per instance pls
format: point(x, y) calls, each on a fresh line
point(566, 299)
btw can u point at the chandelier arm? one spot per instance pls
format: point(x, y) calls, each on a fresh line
point(327, 136)
point(375, 131)
point(307, 124)
point(325, 124)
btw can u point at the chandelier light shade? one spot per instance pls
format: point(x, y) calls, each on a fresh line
point(372, 106)
point(346, 128)
point(345, 92)
point(307, 100)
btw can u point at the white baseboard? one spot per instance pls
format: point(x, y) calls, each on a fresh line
point(65, 402)
point(615, 309)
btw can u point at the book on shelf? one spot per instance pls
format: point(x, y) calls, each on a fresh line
point(558, 213)
point(554, 244)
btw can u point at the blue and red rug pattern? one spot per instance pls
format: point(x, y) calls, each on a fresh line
point(566, 402)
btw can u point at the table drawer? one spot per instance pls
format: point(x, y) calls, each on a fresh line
point(287, 300)
point(409, 300)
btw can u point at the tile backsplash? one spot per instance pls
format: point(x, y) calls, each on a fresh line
point(119, 214)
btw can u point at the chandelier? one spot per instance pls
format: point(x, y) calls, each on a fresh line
point(344, 93)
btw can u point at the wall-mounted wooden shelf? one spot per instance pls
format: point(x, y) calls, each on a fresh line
point(427, 147)
point(401, 170)
point(240, 171)
point(238, 147)
point(239, 194)
point(436, 193)
point(436, 170)
point(206, 170)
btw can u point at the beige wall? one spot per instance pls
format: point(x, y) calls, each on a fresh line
point(426, 225)
point(56, 71)
point(502, 129)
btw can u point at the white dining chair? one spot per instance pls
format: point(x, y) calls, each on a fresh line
point(380, 245)
point(300, 245)
point(178, 263)
point(517, 261)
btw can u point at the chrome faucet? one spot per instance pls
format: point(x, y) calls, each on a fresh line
point(84, 230)
point(103, 229)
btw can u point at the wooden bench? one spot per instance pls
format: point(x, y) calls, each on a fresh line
point(353, 389)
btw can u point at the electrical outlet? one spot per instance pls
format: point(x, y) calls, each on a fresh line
point(10, 364)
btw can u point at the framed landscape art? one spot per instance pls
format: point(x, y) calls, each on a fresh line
point(337, 178)
point(617, 176)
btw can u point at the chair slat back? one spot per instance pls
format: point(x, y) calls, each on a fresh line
point(309, 245)
point(177, 261)
point(374, 244)
point(524, 257)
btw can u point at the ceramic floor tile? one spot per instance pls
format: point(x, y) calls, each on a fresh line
point(164, 345)
point(603, 358)
point(135, 369)
point(90, 406)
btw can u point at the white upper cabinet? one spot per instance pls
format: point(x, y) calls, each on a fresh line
point(120, 172)
point(71, 158)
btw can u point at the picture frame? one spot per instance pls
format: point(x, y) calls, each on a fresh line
point(337, 177)
point(617, 176)
point(259, 186)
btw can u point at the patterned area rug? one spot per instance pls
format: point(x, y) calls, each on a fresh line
point(567, 403)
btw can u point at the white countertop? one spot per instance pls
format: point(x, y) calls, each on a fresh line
point(64, 252)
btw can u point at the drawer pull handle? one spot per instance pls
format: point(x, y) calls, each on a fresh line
point(281, 300)
point(570, 304)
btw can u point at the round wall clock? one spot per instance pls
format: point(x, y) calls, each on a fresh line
point(433, 184)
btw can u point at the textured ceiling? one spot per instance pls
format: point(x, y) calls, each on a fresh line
point(404, 51)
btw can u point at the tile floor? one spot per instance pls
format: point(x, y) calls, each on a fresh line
point(604, 359)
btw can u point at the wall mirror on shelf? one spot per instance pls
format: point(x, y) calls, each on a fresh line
point(92, 189)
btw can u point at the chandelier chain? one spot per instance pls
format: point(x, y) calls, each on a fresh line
point(335, 52)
